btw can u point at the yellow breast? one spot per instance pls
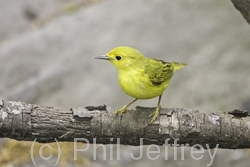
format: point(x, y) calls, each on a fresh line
point(137, 84)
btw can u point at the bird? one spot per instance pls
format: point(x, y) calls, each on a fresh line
point(141, 77)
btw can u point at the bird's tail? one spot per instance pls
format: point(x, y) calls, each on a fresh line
point(177, 65)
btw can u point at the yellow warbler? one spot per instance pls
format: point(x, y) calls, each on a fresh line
point(141, 77)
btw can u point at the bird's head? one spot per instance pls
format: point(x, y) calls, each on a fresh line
point(123, 57)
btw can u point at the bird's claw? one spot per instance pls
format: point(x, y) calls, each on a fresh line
point(155, 114)
point(122, 110)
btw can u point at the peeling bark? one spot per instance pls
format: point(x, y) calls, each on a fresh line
point(22, 121)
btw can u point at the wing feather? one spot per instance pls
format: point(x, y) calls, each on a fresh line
point(158, 71)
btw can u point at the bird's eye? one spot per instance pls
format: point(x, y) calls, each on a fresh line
point(118, 57)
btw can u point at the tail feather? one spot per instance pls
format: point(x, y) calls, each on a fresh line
point(177, 65)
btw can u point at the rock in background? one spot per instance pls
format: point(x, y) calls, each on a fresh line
point(47, 55)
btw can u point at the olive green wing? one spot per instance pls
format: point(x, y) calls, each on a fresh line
point(158, 71)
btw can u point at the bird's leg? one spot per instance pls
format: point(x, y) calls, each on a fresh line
point(123, 109)
point(156, 111)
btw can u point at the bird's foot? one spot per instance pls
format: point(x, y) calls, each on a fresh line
point(155, 114)
point(122, 110)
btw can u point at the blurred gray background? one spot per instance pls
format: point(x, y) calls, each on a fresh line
point(47, 51)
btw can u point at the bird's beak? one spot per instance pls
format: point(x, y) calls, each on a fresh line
point(103, 57)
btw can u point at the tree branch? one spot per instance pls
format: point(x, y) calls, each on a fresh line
point(244, 7)
point(22, 121)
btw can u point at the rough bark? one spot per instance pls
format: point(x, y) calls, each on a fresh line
point(22, 121)
point(244, 7)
